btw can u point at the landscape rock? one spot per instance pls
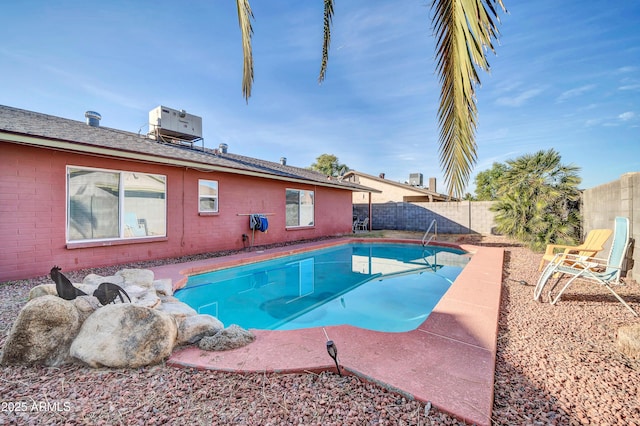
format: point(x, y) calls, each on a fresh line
point(168, 299)
point(43, 290)
point(148, 299)
point(164, 287)
point(141, 277)
point(193, 328)
point(42, 333)
point(86, 305)
point(177, 309)
point(125, 335)
point(629, 340)
point(95, 280)
point(230, 338)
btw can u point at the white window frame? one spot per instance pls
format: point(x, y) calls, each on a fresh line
point(211, 197)
point(121, 205)
point(313, 208)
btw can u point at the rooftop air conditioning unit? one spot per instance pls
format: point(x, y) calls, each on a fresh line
point(415, 179)
point(169, 122)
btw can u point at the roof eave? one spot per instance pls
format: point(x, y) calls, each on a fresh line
point(90, 149)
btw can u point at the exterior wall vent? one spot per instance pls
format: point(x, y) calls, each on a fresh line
point(93, 118)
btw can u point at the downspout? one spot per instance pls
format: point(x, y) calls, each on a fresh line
point(370, 212)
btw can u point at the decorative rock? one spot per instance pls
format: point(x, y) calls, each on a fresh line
point(230, 338)
point(95, 280)
point(164, 287)
point(193, 328)
point(141, 277)
point(629, 340)
point(148, 299)
point(125, 335)
point(42, 333)
point(168, 299)
point(177, 309)
point(43, 290)
point(86, 305)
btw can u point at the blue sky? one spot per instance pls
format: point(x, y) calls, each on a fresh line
point(566, 76)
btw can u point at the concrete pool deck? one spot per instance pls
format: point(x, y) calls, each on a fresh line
point(449, 360)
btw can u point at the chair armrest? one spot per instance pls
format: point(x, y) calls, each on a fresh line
point(551, 248)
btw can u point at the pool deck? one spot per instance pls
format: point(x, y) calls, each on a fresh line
point(448, 361)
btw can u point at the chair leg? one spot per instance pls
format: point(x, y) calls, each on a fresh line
point(620, 299)
point(541, 265)
point(543, 280)
point(555, 300)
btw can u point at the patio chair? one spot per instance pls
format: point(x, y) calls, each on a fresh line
point(363, 224)
point(603, 271)
point(592, 244)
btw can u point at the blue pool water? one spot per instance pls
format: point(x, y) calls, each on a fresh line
point(377, 286)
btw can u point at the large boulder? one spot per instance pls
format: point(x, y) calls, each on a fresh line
point(193, 328)
point(125, 335)
point(42, 333)
point(230, 338)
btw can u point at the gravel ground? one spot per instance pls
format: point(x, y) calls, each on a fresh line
point(555, 365)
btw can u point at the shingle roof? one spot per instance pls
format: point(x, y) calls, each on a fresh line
point(78, 136)
point(416, 189)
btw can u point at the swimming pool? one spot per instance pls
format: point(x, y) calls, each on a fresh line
point(387, 287)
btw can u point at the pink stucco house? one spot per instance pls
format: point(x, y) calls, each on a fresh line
point(78, 195)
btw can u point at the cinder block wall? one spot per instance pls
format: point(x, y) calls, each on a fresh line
point(452, 217)
point(601, 204)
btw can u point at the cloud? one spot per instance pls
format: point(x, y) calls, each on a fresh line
point(633, 87)
point(624, 70)
point(572, 93)
point(520, 99)
point(626, 116)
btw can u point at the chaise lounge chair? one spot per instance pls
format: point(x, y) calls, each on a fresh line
point(592, 244)
point(604, 271)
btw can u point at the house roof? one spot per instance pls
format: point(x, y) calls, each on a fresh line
point(416, 189)
point(47, 131)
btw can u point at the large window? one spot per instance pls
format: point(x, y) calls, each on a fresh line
point(105, 204)
point(299, 208)
point(208, 196)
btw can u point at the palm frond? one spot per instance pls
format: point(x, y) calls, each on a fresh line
point(464, 30)
point(328, 18)
point(244, 20)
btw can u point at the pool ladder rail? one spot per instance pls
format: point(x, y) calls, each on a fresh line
point(434, 225)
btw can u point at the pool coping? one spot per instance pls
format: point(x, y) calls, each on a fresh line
point(449, 360)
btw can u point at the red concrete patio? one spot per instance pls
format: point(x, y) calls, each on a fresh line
point(449, 360)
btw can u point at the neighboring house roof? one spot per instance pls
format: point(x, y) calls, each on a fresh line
point(419, 192)
point(47, 131)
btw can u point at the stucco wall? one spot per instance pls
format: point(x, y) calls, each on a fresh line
point(452, 217)
point(390, 192)
point(601, 204)
point(33, 213)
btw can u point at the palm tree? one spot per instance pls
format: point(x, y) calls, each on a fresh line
point(464, 29)
point(538, 200)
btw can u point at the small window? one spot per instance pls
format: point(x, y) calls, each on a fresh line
point(299, 209)
point(208, 196)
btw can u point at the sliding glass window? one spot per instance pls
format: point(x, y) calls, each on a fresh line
point(107, 204)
